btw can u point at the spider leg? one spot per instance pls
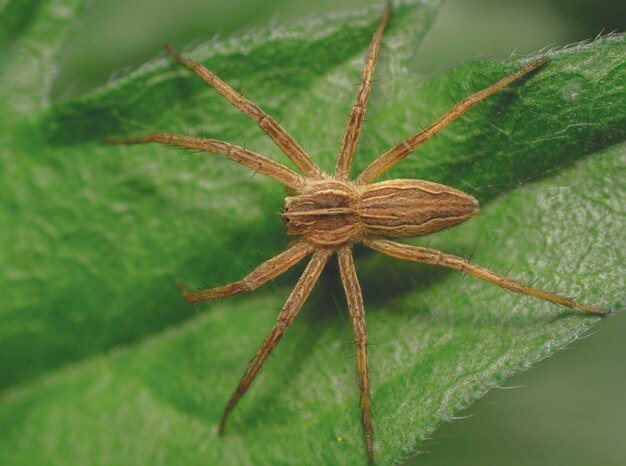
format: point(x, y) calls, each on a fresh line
point(278, 134)
point(354, 297)
point(237, 154)
point(434, 257)
point(262, 274)
point(295, 301)
point(357, 114)
point(400, 151)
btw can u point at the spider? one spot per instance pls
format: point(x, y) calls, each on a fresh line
point(332, 212)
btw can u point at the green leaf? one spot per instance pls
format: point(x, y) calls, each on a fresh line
point(32, 33)
point(103, 364)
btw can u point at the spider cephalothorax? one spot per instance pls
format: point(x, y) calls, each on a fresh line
point(333, 212)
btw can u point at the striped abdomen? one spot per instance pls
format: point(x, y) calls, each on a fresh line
point(405, 208)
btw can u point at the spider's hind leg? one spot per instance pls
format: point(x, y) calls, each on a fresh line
point(434, 257)
point(262, 274)
point(398, 153)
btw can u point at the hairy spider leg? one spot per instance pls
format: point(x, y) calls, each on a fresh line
point(400, 151)
point(434, 257)
point(235, 153)
point(278, 134)
point(354, 297)
point(265, 272)
point(296, 299)
point(357, 114)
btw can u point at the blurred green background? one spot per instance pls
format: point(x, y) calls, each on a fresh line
point(533, 425)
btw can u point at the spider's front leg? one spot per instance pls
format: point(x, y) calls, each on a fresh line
point(278, 134)
point(357, 114)
point(288, 313)
point(237, 154)
point(434, 257)
point(357, 311)
point(262, 274)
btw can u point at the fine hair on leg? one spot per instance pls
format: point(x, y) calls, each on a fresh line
point(434, 257)
point(400, 151)
point(296, 299)
point(235, 153)
point(262, 274)
point(277, 133)
point(354, 297)
point(357, 114)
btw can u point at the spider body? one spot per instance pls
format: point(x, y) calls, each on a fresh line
point(330, 213)
point(333, 212)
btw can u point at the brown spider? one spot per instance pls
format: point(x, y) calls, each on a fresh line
point(333, 212)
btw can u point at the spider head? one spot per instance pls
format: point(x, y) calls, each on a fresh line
point(326, 213)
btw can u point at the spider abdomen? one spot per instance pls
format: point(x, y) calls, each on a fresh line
point(406, 208)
